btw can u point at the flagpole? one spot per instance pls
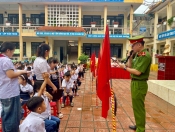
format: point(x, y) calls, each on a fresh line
point(113, 113)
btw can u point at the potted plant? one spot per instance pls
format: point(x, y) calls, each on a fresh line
point(115, 24)
point(28, 23)
point(93, 24)
point(170, 21)
point(33, 58)
point(7, 23)
point(83, 59)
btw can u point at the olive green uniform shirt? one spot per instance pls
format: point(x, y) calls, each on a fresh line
point(142, 63)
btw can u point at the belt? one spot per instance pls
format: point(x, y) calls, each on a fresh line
point(133, 79)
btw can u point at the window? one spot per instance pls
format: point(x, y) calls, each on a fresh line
point(18, 47)
point(1, 18)
point(89, 48)
point(38, 19)
point(14, 18)
point(119, 18)
point(116, 50)
point(63, 15)
point(87, 19)
point(34, 47)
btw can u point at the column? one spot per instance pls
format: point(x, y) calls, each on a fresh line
point(131, 20)
point(125, 23)
point(51, 47)
point(79, 48)
point(79, 17)
point(169, 14)
point(46, 22)
point(20, 33)
point(46, 15)
point(155, 38)
point(28, 49)
point(105, 18)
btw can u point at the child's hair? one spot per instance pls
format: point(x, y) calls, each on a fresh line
point(52, 60)
point(34, 102)
point(37, 86)
point(29, 68)
point(67, 74)
point(62, 66)
point(24, 77)
point(21, 67)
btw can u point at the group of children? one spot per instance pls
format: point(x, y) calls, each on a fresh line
point(36, 95)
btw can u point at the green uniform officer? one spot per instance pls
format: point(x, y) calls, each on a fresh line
point(139, 67)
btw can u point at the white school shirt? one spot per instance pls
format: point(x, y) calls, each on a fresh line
point(40, 66)
point(26, 88)
point(65, 70)
point(77, 71)
point(67, 85)
point(47, 113)
point(33, 123)
point(74, 78)
point(8, 87)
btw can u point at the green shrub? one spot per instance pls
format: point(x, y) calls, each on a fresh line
point(83, 58)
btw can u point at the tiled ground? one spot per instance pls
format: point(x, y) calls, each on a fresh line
point(85, 117)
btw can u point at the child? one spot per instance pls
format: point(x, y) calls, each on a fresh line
point(30, 76)
point(26, 89)
point(33, 122)
point(54, 77)
point(74, 78)
point(51, 122)
point(67, 85)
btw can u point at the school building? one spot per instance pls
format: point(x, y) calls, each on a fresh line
point(161, 23)
point(20, 21)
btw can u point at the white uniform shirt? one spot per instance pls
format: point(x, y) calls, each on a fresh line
point(68, 85)
point(74, 78)
point(33, 123)
point(8, 87)
point(40, 66)
point(65, 70)
point(47, 113)
point(77, 71)
point(26, 88)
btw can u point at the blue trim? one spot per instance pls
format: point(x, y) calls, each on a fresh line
point(9, 34)
point(111, 36)
point(167, 34)
point(64, 1)
point(60, 34)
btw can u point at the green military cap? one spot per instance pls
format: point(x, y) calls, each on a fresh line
point(136, 39)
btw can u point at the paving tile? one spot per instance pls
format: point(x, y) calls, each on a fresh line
point(73, 124)
point(86, 117)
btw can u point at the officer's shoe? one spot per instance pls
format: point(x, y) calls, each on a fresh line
point(133, 127)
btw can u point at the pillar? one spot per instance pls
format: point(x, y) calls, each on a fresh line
point(28, 49)
point(169, 14)
point(46, 15)
point(46, 40)
point(79, 48)
point(131, 20)
point(20, 33)
point(50, 42)
point(105, 18)
point(125, 24)
point(155, 38)
point(79, 17)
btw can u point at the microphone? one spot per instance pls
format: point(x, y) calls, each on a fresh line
point(128, 57)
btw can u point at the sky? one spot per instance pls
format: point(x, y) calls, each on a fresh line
point(143, 7)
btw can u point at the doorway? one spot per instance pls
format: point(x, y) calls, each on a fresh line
point(61, 54)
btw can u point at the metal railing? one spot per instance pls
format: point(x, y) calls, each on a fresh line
point(15, 28)
point(100, 30)
point(161, 28)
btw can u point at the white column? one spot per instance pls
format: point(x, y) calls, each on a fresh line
point(155, 38)
point(79, 17)
point(131, 20)
point(105, 17)
point(20, 33)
